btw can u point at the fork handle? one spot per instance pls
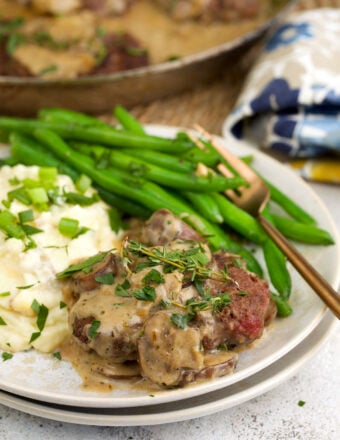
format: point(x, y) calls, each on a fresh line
point(325, 291)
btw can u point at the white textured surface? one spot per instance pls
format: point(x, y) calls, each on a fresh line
point(275, 415)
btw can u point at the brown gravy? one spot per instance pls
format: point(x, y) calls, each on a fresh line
point(86, 363)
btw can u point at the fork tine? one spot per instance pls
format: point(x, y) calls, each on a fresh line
point(236, 163)
point(251, 198)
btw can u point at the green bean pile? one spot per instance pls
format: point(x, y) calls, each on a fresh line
point(137, 173)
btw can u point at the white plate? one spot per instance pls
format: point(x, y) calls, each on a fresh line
point(44, 378)
point(186, 409)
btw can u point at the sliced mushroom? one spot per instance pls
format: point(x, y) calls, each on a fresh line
point(118, 371)
point(82, 281)
point(171, 356)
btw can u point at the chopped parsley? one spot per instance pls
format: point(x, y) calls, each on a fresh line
point(107, 278)
point(57, 355)
point(6, 356)
point(179, 320)
point(147, 293)
point(153, 276)
point(122, 289)
point(42, 313)
point(93, 329)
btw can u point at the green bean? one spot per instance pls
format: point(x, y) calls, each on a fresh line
point(277, 268)
point(3, 136)
point(29, 152)
point(205, 205)
point(195, 155)
point(108, 136)
point(10, 161)
point(171, 179)
point(283, 308)
point(127, 121)
point(288, 205)
point(127, 206)
point(302, 232)
point(276, 262)
point(70, 117)
point(163, 160)
point(240, 220)
point(205, 155)
point(102, 154)
point(93, 150)
point(147, 193)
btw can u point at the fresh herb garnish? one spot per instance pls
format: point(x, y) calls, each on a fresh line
point(121, 289)
point(42, 313)
point(107, 278)
point(84, 266)
point(147, 293)
point(80, 199)
point(34, 336)
point(2, 321)
point(192, 260)
point(153, 276)
point(62, 305)
point(8, 26)
point(3, 294)
point(31, 230)
point(9, 225)
point(215, 303)
point(6, 356)
point(13, 41)
point(28, 286)
point(179, 320)
point(93, 328)
point(26, 216)
point(57, 355)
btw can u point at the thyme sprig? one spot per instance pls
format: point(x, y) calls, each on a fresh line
point(192, 260)
point(194, 305)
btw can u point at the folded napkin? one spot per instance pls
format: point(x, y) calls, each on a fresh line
point(290, 103)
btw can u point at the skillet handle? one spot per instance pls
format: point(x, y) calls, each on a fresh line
point(321, 287)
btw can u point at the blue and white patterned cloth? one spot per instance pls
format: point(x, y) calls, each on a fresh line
point(291, 99)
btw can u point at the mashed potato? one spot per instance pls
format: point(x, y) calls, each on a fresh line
point(28, 274)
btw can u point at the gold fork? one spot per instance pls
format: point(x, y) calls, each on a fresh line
point(253, 199)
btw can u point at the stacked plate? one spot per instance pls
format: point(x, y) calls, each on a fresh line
point(43, 386)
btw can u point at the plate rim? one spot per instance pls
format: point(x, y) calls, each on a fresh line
point(168, 395)
point(81, 417)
